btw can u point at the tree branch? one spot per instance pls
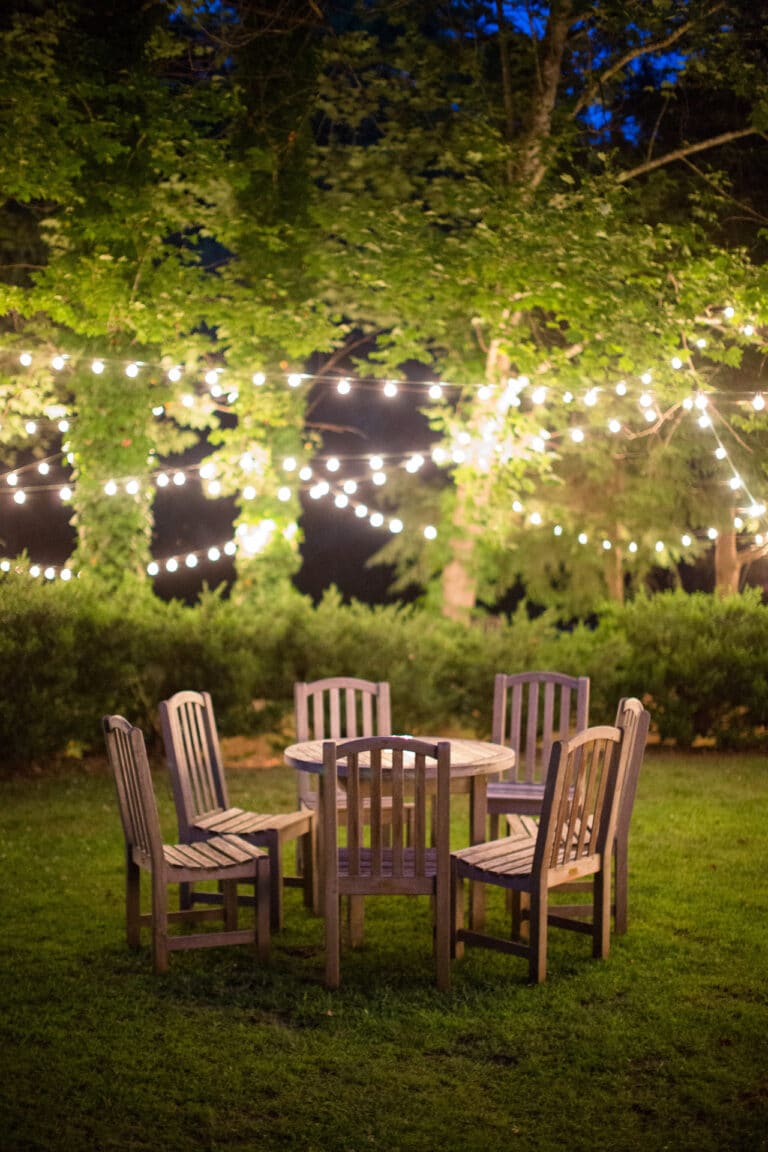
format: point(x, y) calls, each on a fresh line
point(635, 54)
point(686, 150)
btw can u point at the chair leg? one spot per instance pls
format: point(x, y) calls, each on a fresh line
point(159, 922)
point(132, 903)
point(493, 826)
point(332, 941)
point(356, 920)
point(274, 847)
point(537, 959)
point(185, 896)
point(229, 899)
point(308, 853)
point(442, 905)
point(457, 913)
point(601, 913)
point(621, 880)
point(263, 909)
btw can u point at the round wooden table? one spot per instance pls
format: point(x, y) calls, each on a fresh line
point(472, 762)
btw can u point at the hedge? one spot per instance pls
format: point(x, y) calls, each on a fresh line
point(69, 654)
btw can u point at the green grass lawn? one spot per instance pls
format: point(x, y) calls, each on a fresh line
point(663, 1045)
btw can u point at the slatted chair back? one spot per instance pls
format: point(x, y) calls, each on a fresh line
point(389, 851)
point(635, 720)
point(127, 756)
point(578, 820)
point(533, 709)
point(194, 757)
point(338, 708)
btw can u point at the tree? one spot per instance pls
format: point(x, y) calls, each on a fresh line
point(511, 196)
point(140, 177)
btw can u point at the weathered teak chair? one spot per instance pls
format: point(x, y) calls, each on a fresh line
point(338, 708)
point(574, 839)
point(202, 806)
point(530, 711)
point(226, 859)
point(405, 771)
point(635, 720)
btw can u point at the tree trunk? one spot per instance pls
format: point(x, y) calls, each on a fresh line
point(614, 574)
point(549, 71)
point(728, 564)
point(459, 581)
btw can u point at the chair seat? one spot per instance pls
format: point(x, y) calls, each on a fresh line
point(365, 864)
point(238, 822)
point(521, 795)
point(510, 856)
point(218, 852)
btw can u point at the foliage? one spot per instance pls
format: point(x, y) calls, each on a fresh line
point(68, 655)
point(662, 1044)
point(498, 188)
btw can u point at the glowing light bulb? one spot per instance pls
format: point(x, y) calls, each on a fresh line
point(395, 526)
point(110, 488)
point(258, 379)
point(582, 537)
point(650, 415)
point(676, 362)
point(333, 464)
point(179, 478)
point(58, 363)
point(294, 380)
point(376, 520)
point(305, 474)
point(621, 388)
point(212, 376)
point(350, 487)
point(632, 546)
point(132, 487)
point(65, 494)
point(43, 468)
point(188, 400)
point(607, 545)
point(340, 500)
point(516, 506)
point(729, 312)
point(171, 565)
point(590, 398)
point(161, 480)
point(344, 387)
point(97, 367)
point(361, 511)
point(66, 574)
point(25, 359)
point(720, 453)
point(539, 395)
point(191, 560)
point(577, 435)
point(174, 374)
point(536, 518)
point(30, 427)
point(686, 540)
point(390, 389)
point(734, 483)
point(19, 497)
point(659, 546)
point(132, 370)
point(614, 426)
point(712, 533)
point(557, 530)
point(214, 554)
point(214, 488)
point(379, 478)
point(435, 392)
point(63, 425)
point(414, 463)
point(646, 378)
point(759, 402)
point(704, 421)
point(249, 492)
point(376, 463)
point(284, 495)
point(430, 532)
point(12, 479)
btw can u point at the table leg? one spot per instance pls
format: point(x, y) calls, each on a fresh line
point(478, 808)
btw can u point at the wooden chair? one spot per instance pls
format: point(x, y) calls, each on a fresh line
point(574, 839)
point(226, 859)
point(530, 711)
point(338, 708)
point(194, 759)
point(400, 768)
point(635, 720)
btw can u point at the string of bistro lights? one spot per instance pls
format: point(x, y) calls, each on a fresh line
point(320, 483)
